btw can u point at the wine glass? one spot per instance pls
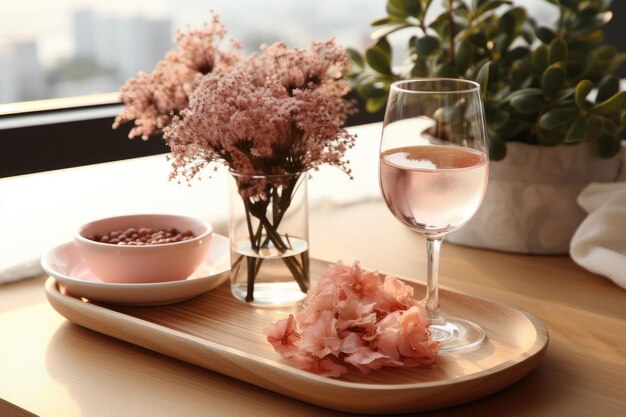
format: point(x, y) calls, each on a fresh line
point(434, 169)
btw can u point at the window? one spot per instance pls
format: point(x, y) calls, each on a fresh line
point(75, 54)
point(72, 48)
point(57, 50)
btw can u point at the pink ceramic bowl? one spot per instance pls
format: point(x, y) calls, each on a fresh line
point(148, 263)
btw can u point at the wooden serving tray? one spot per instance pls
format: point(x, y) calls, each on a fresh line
point(217, 332)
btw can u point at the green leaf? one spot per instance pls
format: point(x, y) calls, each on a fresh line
point(356, 57)
point(382, 22)
point(515, 54)
point(440, 22)
point(516, 127)
point(565, 94)
point(520, 75)
point(460, 10)
point(490, 5)
point(428, 45)
point(397, 4)
point(544, 34)
point(622, 132)
point(383, 44)
point(528, 32)
point(447, 71)
point(609, 126)
point(608, 146)
point(373, 105)
point(464, 55)
point(381, 33)
point(540, 57)
point(590, 39)
point(606, 52)
point(520, 16)
point(496, 118)
point(497, 148)
point(479, 39)
point(607, 88)
point(553, 79)
point(502, 42)
point(525, 92)
point(378, 60)
point(420, 68)
point(583, 25)
point(593, 129)
point(617, 61)
point(413, 7)
point(558, 51)
point(576, 132)
point(582, 90)
point(571, 4)
point(482, 77)
point(393, 11)
point(527, 103)
point(613, 105)
point(372, 90)
point(507, 24)
point(558, 117)
point(589, 8)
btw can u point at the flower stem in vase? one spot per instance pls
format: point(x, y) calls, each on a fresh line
point(296, 269)
point(271, 240)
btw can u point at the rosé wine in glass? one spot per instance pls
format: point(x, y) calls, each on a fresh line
point(433, 189)
point(434, 169)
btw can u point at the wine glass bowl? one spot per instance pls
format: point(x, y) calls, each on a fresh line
point(434, 169)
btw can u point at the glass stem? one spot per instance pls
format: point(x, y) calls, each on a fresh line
point(433, 246)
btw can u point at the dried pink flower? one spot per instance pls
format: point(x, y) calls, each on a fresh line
point(353, 317)
point(151, 100)
point(283, 336)
point(280, 111)
point(277, 111)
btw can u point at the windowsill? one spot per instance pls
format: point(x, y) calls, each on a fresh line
point(42, 209)
point(56, 104)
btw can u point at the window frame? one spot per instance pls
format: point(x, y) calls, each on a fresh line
point(63, 133)
point(77, 131)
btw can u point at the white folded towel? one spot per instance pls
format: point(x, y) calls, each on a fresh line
point(599, 243)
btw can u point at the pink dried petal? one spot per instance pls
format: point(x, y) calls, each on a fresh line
point(315, 306)
point(367, 360)
point(351, 315)
point(401, 293)
point(354, 315)
point(389, 335)
point(328, 367)
point(283, 336)
point(405, 335)
point(321, 338)
point(351, 343)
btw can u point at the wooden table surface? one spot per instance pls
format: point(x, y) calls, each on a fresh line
point(51, 367)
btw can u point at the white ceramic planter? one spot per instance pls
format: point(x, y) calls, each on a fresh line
point(530, 205)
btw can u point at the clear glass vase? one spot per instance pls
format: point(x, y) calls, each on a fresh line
point(269, 238)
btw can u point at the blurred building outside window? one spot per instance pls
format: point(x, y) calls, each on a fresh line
point(65, 48)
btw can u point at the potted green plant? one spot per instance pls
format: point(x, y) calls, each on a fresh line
point(541, 87)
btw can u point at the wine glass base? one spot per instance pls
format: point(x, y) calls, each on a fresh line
point(457, 335)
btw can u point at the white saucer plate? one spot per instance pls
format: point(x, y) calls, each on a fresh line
point(65, 265)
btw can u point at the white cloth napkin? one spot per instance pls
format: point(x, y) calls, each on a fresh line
point(599, 243)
